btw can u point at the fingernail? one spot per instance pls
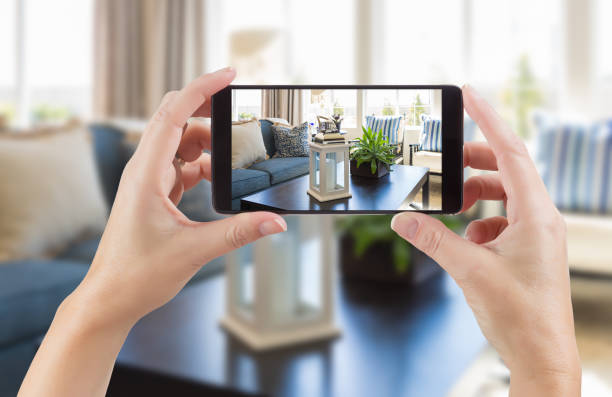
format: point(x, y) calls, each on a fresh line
point(226, 69)
point(405, 225)
point(274, 226)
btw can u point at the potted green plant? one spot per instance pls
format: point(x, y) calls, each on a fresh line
point(371, 251)
point(372, 155)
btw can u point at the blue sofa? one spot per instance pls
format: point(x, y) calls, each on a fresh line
point(31, 290)
point(266, 173)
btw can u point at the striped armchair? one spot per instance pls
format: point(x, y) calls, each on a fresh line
point(428, 152)
point(575, 162)
point(391, 126)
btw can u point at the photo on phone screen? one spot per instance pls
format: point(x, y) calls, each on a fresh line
point(363, 149)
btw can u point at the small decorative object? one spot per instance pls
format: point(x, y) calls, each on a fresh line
point(329, 171)
point(279, 289)
point(337, 121)
point(372, 156)
point(326, 125)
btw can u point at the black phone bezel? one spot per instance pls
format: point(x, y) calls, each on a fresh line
point(452, 144)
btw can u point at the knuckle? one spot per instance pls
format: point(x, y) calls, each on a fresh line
point(163, 112)
point(431, 241)
point(236, 236)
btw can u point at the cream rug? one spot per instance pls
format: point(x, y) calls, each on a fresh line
point(488, 377)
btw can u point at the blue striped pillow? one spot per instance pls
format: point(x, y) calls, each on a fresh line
point(390, 126)
point(431, 136)
point(575, 161)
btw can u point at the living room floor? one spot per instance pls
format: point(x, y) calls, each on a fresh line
point(435, 195)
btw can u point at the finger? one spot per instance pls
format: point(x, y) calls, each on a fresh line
point(517, 171)
point(482, 187)
point(220, 237)
point(455, 254)
point(484, 230)
point(193, 172)
point(479, 155)
point(195, 139)
point(173, 184)
point(164, 133)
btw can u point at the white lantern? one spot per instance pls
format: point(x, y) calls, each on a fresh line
point(279, 289)
point(329, 171)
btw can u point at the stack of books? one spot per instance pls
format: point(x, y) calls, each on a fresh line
point(330, 137)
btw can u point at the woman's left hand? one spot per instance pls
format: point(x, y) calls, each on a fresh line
point(149, 249)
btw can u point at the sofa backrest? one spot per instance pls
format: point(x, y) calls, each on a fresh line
point(268, 136)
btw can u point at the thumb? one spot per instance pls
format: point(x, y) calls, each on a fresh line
point(220, 237)
point(455, 254)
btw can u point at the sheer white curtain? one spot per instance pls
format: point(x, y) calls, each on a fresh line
point(142, 50)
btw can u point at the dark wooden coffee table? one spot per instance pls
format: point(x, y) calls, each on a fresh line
point(368, 194)
point(396, 341)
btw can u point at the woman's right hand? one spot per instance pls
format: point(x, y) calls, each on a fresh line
point(512, 270)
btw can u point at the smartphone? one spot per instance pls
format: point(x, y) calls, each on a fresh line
point(363, 149)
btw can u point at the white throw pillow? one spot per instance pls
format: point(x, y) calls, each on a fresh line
point(50, 193)
point(247, 144)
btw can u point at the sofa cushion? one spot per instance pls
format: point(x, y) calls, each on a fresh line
point(30, 292)
point(50, 193)
point(283, 168)
point(575, 161)
point(268, 134)
point(246, 181)
point(291, 142)
point(247, 143)
point(390, 126)
point(431, 160)
point(431, 136)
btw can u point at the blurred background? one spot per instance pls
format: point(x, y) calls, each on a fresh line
point(78, 79)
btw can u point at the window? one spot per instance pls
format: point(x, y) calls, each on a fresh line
point(282, 41)
point(408, 103)
point(421, 42)
point(330, 102)
point(7, 66)
point(246, 104)
point(51, 49)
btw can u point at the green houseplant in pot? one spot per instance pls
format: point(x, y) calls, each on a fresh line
point(372, 155)
point(371, 251)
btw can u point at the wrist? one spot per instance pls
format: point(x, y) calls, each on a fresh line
point(90, 311)
point(561, 378)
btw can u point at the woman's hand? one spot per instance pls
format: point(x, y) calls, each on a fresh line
point(512, 270)
point(149, 249)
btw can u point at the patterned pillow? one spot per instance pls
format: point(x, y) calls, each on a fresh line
point(390, 126)
point(431, 136)
point(291, 142)
point(575, 162)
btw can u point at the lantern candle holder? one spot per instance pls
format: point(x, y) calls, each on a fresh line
point(329, 171)
point(279, 289)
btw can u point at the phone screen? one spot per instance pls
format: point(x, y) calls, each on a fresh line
point(298, 149)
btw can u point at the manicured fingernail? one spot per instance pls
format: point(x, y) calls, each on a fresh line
point(277, 225)
point(405, 225)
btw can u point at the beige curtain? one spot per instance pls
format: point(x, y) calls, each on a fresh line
point(142, 49)
point(282, 103)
